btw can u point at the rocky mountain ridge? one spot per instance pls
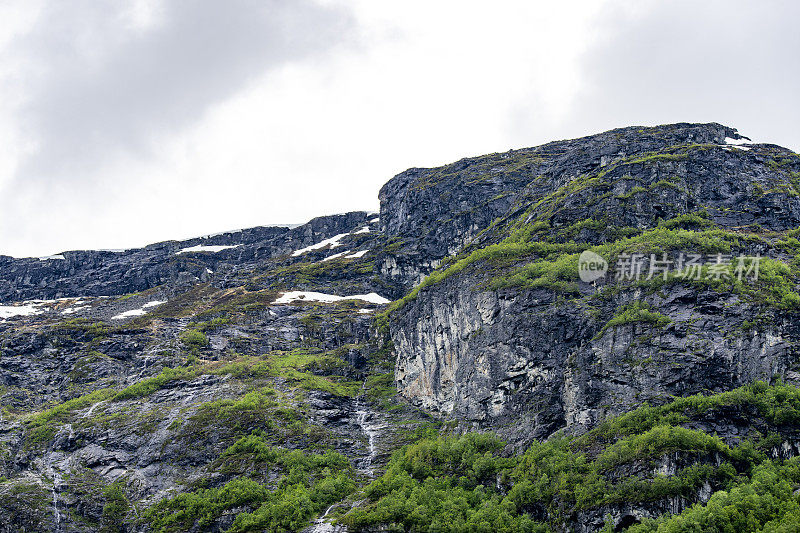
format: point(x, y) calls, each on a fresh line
point(260, 380)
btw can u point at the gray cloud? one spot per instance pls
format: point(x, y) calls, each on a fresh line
point(125, 150)
point(98, 88)
point(732, 62)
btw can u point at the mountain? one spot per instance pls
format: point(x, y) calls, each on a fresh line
point(593, 334)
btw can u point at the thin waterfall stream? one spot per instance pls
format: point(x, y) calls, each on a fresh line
point(366, 421)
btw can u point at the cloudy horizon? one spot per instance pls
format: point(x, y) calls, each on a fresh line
point(130, 123)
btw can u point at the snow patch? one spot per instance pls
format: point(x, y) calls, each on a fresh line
point(333, 242)
point(365, 229)
point(137, 312)
point(737, 142)
point(374, 220)
point(71, 310)
point(204, 248)
point(307, 296)
point(53, 257)
point(26, 309)
point(334, 256)
point(129, 314)
point(347, 254)
point(35, 307)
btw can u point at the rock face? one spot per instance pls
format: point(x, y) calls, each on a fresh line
point(110, 273)
point(208, 353)
point(262, 357)
point(528, 360)
point(541, 359)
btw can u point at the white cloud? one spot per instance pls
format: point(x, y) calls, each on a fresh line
point(399, 85)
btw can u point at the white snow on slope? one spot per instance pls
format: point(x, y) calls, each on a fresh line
point(306, 296)
point(204, 248)
point(334, 256)
point(49, 257)
point(365, 229)
point(35, 307)
point(374, 220)
point(730, 142)
point(347, 254)
point(70, 310)
point(129, 314)
point(333, 242)
point(26, 309)
point(736, 142)
point(137, 312)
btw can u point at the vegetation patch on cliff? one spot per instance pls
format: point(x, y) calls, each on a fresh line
point(288, 488)
point(467, 483)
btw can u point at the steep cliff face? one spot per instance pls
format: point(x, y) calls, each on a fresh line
point(532, 364)
point(507, 333)
point(260, 380)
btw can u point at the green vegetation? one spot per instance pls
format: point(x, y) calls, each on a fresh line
point(637, 189)
point(443, 484)
point(635, 312)
point(256, 409)
point(512, 165)
point(519, 263)
point(775, 286)
point(115, 509)
point(307, 368)
point(690, 221)
point(194, 339)
point(765, 502)
point(148, 386)
point(211, 325)
point(467, 484)
point(296, 487)
point(303, 273)
point(41, 427)
point(231, 303)
point(94, 330)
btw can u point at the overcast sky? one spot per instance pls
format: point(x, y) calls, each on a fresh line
point(125, 123)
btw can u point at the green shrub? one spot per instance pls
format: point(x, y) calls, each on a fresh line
point(148, 386)
point(465, 483)
point(114, 510)
point(308, 483)
point(635, 312)
point(194, 339)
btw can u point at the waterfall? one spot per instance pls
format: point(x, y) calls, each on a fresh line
point(56, 513)
point(92, 408)
point(371, 431)
point(320, 525)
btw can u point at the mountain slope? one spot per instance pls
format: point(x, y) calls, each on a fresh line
point(507, 329)
point(260, 380)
